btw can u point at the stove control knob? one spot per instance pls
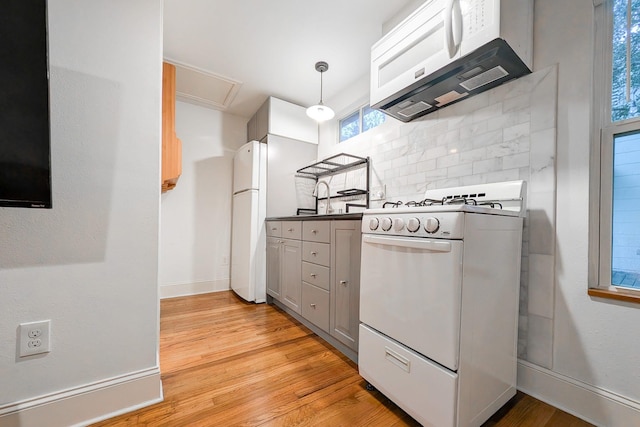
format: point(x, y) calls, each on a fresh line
point(373, 224)
point(431, 225)
point(413, 225)
point(386, 224)
point(398, 224)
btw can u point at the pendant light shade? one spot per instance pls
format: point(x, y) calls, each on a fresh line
point(320, 112)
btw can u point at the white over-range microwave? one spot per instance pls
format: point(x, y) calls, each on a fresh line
point(448, 50)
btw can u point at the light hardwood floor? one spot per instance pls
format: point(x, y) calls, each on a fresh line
point(225, 362)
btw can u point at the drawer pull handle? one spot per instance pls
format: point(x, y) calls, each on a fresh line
point(314, 253)
point(314, 231)
point(313, 275)
point(343, 282)
point(312, 305)
point(398, 360)
point(289, 229)
point(274, 228)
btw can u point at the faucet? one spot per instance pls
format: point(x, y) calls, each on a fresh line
point(315, 193)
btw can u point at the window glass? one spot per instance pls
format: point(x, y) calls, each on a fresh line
point(625, 70)
point(350, 126)
point(625, 233)
point(364, 119)
point(371, 118)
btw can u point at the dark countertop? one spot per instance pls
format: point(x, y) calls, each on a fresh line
point(316, 217)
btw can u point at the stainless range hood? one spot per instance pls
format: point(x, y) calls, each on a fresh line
point(485, 68)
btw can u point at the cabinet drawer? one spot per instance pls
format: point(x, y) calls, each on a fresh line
point(292, 229)
point(315, 305)
point(274, 228)
point(316, 231)
point(318, 253)
point(316, 275)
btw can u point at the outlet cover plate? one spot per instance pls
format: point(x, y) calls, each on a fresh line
point(34, 338)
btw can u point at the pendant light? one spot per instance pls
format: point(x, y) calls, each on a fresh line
point(320, 112)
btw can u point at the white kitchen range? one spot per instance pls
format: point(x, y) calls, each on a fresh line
point(440, 281)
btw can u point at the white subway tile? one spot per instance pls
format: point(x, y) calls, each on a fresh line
point(448, 160)
point(540, 341)
point(487, 165)
point(489, 112)
point(516, 131)
point(489, 138)
point(473, 130)
point(506, 148)
point(459, 171)
point(426, 165)
point(474, 155)
point(515, 161)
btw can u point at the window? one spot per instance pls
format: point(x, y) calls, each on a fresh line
point(360, 121)
point(615, 235)
point(625, 58)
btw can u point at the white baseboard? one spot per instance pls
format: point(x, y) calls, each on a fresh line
point(592, 404)
point(87, 404)
point(184, 289)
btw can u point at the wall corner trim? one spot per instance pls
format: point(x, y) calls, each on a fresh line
point(592, 404)
point(87, 404)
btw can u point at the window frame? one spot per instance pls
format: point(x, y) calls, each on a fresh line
point(601, 165)
point(360, 112)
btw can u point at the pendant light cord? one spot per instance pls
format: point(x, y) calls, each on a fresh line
point(321, 72)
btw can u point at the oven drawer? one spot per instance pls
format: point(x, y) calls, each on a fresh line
point(318, 253)
point(425, 390)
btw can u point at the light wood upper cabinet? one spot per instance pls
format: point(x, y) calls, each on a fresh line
point(171, 145)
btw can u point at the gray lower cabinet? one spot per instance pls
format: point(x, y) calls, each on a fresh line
point(284, 262)
point(318, 276)
point(345, 282)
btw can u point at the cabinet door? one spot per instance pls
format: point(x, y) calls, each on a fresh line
point(262, 121)
point(274, 246)
point(291, 274)
point(345, 283)
point(252, 131)
point(171, 145)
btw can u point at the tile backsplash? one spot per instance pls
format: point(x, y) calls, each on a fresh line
point(507, 133)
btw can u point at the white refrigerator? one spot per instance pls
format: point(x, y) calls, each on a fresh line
point(248, 257)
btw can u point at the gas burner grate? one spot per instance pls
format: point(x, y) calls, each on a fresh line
point(459, 201)
point(392, 204)
point(425, 202)
point(494, 205)
point(448, 200)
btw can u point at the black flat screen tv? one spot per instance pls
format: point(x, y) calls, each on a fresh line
point(25, 165)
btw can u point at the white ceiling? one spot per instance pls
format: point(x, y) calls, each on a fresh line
point(271, 46)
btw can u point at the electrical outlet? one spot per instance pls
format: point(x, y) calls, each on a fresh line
point(34, 338)
point(378, 193)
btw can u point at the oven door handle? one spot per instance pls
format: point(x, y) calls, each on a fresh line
point(409, 242)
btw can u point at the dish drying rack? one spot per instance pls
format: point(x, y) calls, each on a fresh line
point(334, 165)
